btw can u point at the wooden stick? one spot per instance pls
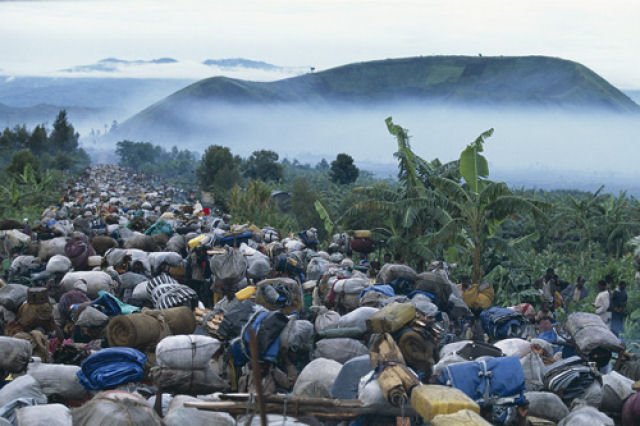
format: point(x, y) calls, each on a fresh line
point(257, 377)
point(340, 409)
point(276, 398)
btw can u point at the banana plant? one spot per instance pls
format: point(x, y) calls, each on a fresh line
point(478, 207)
point(329, 225)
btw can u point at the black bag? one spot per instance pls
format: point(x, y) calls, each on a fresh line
point(235, 319)
point(270, 328)
point(475, 350)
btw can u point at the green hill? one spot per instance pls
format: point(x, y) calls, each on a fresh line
point(490, 81)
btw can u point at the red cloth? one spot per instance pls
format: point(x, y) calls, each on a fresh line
point(525, 309)
point(631, 411)
point(206, 211)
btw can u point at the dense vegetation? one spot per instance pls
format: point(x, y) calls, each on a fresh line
point(35, 165)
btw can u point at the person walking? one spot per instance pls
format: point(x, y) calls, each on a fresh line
point(618, 308)
point(575, 292)
point(546, 285)
point(602, 302)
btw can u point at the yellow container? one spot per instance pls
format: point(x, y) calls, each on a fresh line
point(478, 298)
point(391, 318)
point(431, 400)
point(460, 418)
point(245, 293)
point(362, 233)
point(195, 241)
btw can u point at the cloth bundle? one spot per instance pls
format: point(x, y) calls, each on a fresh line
point(165, 293)
point(590, 332)
point(393, 376)
point(487, 380)
point(21, 392)
point(502, 323)
point(57, 379)
point(236, 318)
point(416, 348)
point(284, 294)
point(569, 378)
point(436, 283)
point(116, 408)
point(78, 249)
point(194, 382)
point(31, 316)
point(112, 367)
point(14, 354)
point(39, 343)
point(339, 349)
point(146, 329)
point(183, 365)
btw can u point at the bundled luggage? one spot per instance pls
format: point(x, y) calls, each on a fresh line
point(391, 318)
point(58, 379)
point(356, 319)
point(479, 297)
point(284, 294)
point(144, 330)
point(347, 382)
point(267, 326)
point(572, 379)
point(345, 293)
point(116, 407)
point(390, 272)
point(21, 392)
point(436, 283)
point(317, 378)
point(395, 379)
point(340, 349)
point(165, 292)
point(434, 400)
point(112, 367)
point(12, 296)
point(95, 281)
point(487, 380)
point(546, 405)
point(589, 332)
point(187, 352)
point(191, 382)
point(502, 323)
point(44, 415)
point(14, 354)
point(229, 267)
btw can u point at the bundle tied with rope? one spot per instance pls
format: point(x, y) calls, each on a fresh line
point(145, 329)
point(184, 364)
point(394, 377)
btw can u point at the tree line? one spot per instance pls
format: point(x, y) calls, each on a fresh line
point(33, 165)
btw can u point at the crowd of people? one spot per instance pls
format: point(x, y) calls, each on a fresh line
point(130, 302)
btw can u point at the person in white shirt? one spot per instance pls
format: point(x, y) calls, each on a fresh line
point(602, 302)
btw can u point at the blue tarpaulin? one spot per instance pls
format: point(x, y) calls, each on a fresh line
point(493, 378)
point(111, 367)
point(385, 289)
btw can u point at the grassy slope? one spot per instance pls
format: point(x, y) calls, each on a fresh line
point(529, 81)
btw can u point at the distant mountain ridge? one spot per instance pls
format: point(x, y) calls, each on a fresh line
point(112, 64)
point(241, 62)
point(532, 81)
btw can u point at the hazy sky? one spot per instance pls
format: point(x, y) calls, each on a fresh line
point(39, 37)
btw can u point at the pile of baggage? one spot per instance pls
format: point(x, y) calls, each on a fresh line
point(131, 302)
